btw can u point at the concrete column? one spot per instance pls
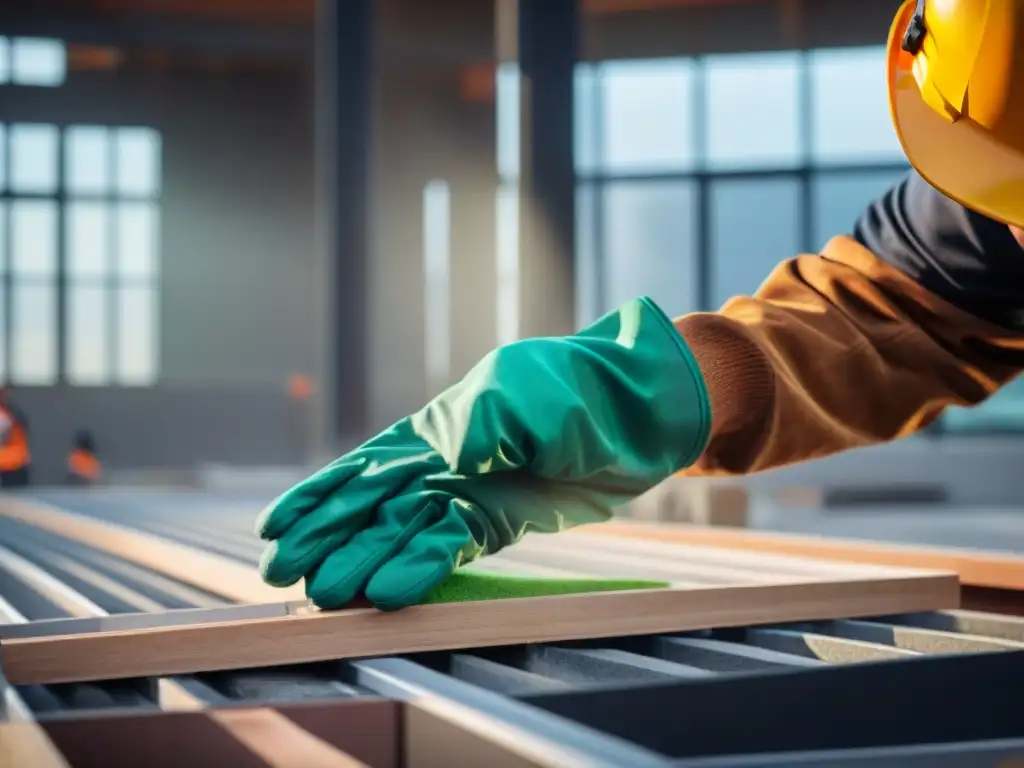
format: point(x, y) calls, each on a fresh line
point(548, 49)
point(343, 75)
point(425, 130)
point(473, 170)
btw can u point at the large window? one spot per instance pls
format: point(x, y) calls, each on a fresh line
point(777, 152)
point(697, 176)
point(79, 241)
point(30, 61)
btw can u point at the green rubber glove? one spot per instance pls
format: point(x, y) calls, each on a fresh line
point(543, 434)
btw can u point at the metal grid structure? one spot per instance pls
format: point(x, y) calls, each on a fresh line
point(925, 689)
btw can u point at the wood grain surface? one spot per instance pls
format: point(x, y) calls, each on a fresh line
point(977, 568)
point(711, 587)
point(367, 632)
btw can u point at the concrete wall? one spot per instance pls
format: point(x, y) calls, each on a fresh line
point(236, 248)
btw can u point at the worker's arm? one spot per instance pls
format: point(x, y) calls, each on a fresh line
point(918, 309)
point(837, 350)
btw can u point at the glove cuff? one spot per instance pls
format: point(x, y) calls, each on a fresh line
point(692, 398)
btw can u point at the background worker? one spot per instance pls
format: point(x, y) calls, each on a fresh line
point(83, 463)
point(921, 307)
point(15, 453)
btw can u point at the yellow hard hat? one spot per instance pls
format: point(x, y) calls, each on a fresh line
point(955, 72)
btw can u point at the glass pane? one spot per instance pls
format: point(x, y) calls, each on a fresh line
point(3, 155)
point(588, 302)
point(507, 252)
point(840, 198)
point(138, 161)
point(755, 224)
point(3, 234)
point(650, 244)
point(437, 265)
point(38, 61)
point(5, 60)
point(138, 239)
point(33, 158)
point(34, 332)
point(34, 237)
point(849, 106)
point(87, 159)
point(585, 121)
point(137, 331)
point(507, 119)
point(87, 234)
point(647, 109)
point(753, 110)
point(88, 335)
point(1004, 411)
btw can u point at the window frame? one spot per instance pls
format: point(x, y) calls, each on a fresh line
point(114, 282)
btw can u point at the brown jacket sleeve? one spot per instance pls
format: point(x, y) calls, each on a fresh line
point(837, 351)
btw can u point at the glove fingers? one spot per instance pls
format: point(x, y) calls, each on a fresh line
point(389, 464)
point(312, 536)
point(344, 572)
point(302, 498)
point(424, 563)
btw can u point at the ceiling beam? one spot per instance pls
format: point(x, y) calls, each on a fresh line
point(133, 29)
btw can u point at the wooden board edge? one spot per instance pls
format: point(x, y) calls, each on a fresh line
point(975, 567)
point(434, 730)
point(279, 741)
point(362, 633)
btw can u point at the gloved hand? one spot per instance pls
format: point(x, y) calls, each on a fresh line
point(543, 434)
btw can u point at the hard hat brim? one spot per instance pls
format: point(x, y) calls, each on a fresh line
point(958, 158)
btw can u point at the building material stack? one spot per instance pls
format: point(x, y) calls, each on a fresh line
point(131, 635)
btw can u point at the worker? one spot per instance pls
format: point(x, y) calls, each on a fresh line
point(15, 455)
point(919, 307)
point(83, 464)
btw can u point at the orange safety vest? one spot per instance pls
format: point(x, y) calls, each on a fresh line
point(83, 464)
point(14, 452)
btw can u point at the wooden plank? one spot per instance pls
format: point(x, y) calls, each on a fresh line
point(230, 579)
point(978, 568)
point(365, 632)
point(26, 745)
point(367, 729)
point(23, 742)
point(439, 732)
point(279, 742)
point(260, 737)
